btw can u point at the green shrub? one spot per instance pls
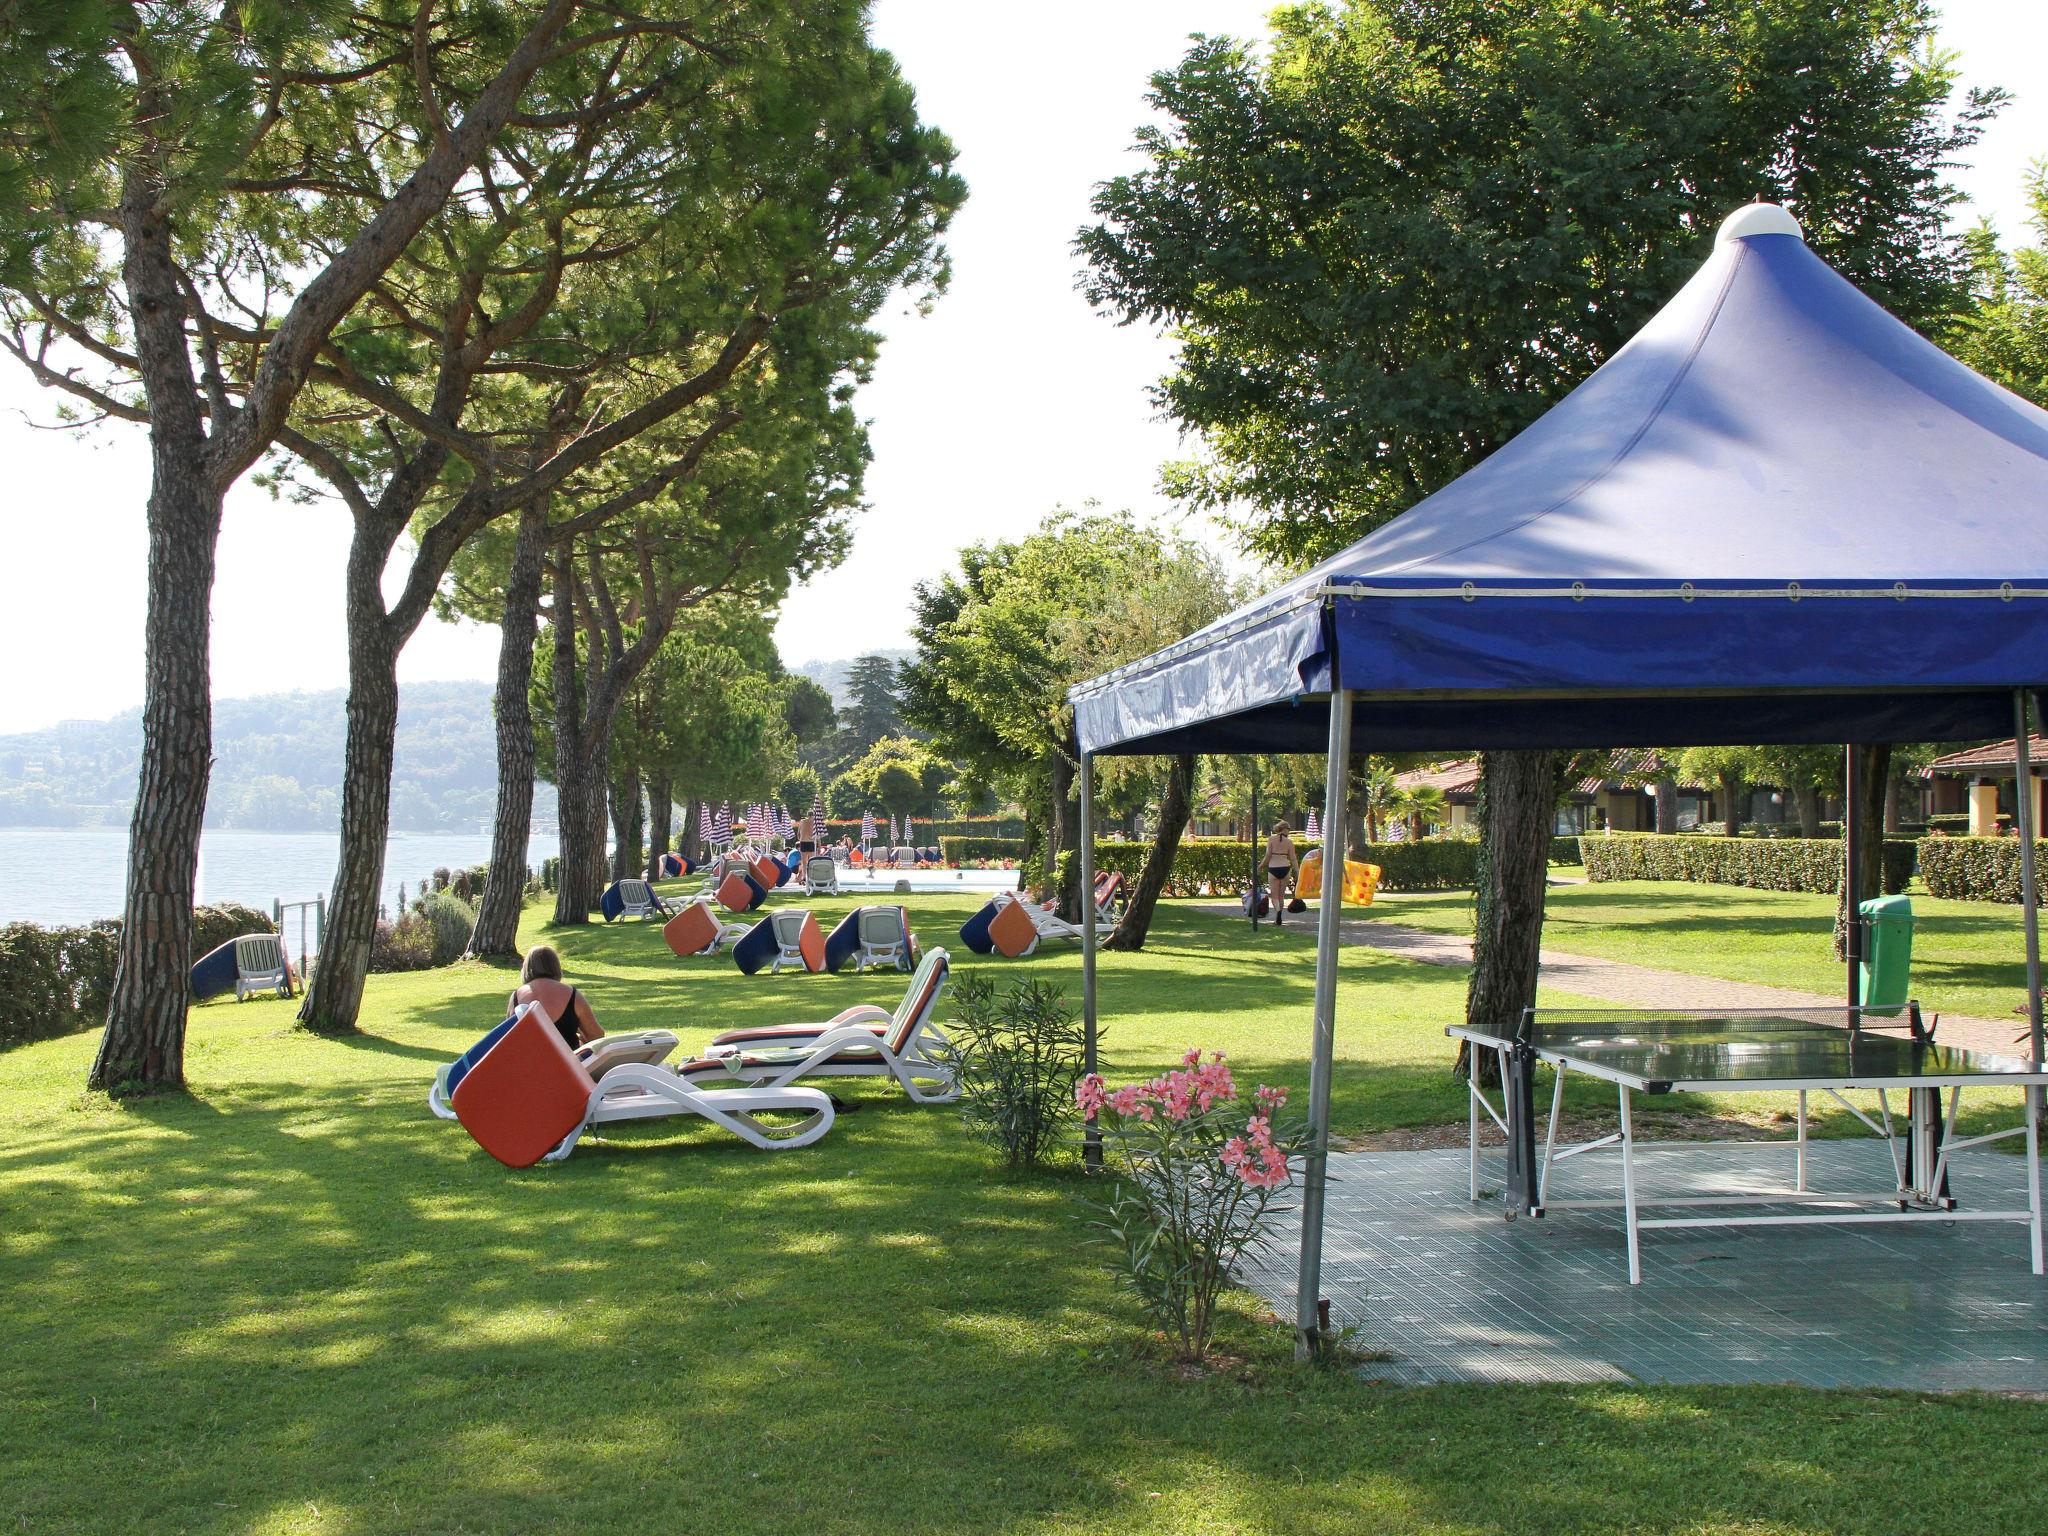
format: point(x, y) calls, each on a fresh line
point(1975, 868)
point(968, 850)
point(59, 979)
point(1564, 850)
point(550, 872)
point(1017, 1056)
point(1765, 864)
point(451, 920)
point(404, 945)
point(1953, 823)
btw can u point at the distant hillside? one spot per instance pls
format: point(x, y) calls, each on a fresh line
point(831, 675)
point(277, 765)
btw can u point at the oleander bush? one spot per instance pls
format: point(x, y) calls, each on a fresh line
point(1976, 868)
point(1017, 1055)
point(59, 979)
point(962, 851)
point(1764, 864)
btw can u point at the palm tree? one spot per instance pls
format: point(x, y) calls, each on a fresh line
point(1425, 807)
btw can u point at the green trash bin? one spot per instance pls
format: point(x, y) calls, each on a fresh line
point(1886, 977)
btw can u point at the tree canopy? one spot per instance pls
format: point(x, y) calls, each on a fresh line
point(1390, 240)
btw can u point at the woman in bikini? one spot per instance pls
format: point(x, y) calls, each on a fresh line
point(1280, 866)
point(540, 981)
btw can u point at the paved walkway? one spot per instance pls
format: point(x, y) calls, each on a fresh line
point(1643, 986)
point(1444, 1290)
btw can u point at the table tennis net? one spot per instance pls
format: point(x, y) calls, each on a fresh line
point(1566, 1026)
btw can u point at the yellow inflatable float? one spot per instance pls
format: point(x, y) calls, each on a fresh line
point(1360, 880)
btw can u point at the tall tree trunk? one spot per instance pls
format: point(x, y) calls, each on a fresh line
point(1894, 794)
point(1665, 791)
point(334, 995)
point(573, 790)
point(1873, 765)
point(144, 1042)
point(1517, 804)
point(693, 829)
point(627, 808)
point(1731, 804)
point(497, 916)
point(1176, 803)
point(1806, 799)
point(660, 817)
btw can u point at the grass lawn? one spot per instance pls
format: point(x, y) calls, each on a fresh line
point(1968, 956)
point(294, 1302)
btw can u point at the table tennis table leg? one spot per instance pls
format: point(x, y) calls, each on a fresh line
point(1800, 1156)
point(2034, 1174)
point(1472, 1113)
point(1628, 1188)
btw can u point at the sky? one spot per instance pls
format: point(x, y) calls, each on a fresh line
point(1010, 399)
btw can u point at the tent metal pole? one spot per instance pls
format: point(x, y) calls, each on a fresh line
point(2030, 919)
point(1092, 1147)
point(1308, 1337)
point(1852, 867)
point(1252, 836)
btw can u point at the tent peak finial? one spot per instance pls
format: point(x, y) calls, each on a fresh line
point(1758, 219)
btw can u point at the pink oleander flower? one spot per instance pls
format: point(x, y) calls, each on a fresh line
point(1089, 1093)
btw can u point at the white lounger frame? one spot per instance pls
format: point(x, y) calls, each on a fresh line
point(925, 1058)
point(1918, 1198)
point(821, 875)
point(260, 966)
point(639, 899)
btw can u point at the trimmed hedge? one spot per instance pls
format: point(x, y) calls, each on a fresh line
point(1564, 850)
point(1764, 864)
point(1210, 867)
point(959, 851)
point(1975, 868)
point(59, 979)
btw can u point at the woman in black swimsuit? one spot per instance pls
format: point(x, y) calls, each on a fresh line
point(1280, 863)
point(540, 981)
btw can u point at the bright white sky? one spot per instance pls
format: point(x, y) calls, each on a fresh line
point(1011, 398)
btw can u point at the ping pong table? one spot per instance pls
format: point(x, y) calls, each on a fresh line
point(1830, 1051)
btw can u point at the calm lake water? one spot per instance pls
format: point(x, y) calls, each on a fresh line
point(56, 875)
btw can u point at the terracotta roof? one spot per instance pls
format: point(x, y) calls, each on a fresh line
point(1999, 754)
point(1460, 778)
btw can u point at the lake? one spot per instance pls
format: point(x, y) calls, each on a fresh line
point(59, 875)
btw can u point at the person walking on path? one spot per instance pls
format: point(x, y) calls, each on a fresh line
point(1281, 862)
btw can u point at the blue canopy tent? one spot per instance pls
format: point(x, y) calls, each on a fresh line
point(1777, 515)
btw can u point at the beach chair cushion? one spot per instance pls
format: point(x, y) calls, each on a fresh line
point(843, 942)
point(1011, 931)
point(974, 932)
point(741, 892)
point(458, 1069)
point(693, 930)
point(756, 947)
point(526, 1093)
point(611, 903)
point(767, 873)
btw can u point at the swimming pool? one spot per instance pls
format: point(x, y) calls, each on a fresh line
point(927, 881)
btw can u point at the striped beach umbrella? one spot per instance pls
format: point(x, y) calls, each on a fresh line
point(818, 817)
point(1313, 827)
point(757, 823)
point(721, 826)
point(867, 828)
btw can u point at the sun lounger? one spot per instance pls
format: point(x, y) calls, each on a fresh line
point(872, 936)
point(525, 1098)
point(697, 930)
point(906, 1046)
point(781, 941)
point(632, 897)
point(821, 875)
point(260, 966)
